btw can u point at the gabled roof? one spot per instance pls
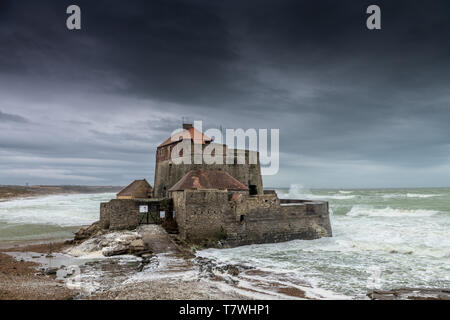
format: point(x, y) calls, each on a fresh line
point(208, 179)
point(131, 188)
point(187, 134)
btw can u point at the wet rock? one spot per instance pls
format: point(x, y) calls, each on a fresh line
point(127, 239)
point(122, 243)
point(110, 244)
point(50, 271)
point(410, 294)
point(84, 248)
point(233, 270)
point(147, 256)
point(86, 233)
point(229, 280)
point(115, 250)
point(209, 268)
point(137, 245)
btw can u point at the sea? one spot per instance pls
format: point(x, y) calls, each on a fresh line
point(382, 238)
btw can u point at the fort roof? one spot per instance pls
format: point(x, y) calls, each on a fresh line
point(132, 188)
point(188, 133)
point(208, 179)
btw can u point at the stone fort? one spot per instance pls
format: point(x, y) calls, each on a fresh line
point(212, 203)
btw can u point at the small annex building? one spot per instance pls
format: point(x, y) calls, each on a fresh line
point(136, 189)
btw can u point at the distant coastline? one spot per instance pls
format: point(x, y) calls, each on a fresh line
point(8, 192)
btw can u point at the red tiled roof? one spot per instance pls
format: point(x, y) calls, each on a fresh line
point(128, 190)
point(208, 179)
point(187, 134)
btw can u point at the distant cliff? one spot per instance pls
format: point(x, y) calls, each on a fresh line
point(10, 192)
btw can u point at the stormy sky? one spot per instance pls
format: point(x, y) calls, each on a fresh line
point(355, 107)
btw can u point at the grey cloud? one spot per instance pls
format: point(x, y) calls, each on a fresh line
point(376, 103)
point(8, 117)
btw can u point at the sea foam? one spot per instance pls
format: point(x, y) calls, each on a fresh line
point(297, 191)
point(409, 195)
point(389, 212)
point(60, 210)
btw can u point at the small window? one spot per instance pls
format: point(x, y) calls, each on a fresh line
point(241, 219)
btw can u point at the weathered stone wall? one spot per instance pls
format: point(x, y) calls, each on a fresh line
point(239, 219)
point(200, 215)
point(179, 209)
point(265, 219)
point(168, 173)
point(119, 214)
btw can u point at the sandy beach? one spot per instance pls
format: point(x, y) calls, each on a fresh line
point(39, 271)
point(25, 280)
point(21, 280)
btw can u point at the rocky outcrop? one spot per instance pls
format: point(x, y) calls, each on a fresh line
point(111, 244)
point(115, 250)
point(124, 246)
point(137, 245)
point(86, 233)
point(145, 239)
point(410, 294)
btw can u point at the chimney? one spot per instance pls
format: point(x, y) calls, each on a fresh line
point(187, 126)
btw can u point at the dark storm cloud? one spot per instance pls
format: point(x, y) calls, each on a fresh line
point(346, 99)
point(7, 117)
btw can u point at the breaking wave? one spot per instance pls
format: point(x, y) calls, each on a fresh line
point(297, 191)
point(418, 195)
point(410, 195)
point(58, 210)
point(389, 212)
